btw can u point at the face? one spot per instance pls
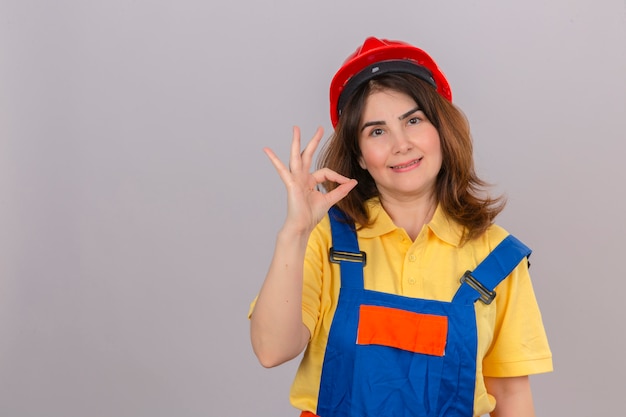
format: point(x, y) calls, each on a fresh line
point(399, 146)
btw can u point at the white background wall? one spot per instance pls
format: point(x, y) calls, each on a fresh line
point(138, 212)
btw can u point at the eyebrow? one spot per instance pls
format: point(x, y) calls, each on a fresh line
point(410, 112)
point(382, 122)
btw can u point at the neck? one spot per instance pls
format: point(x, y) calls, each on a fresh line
point(411, 215)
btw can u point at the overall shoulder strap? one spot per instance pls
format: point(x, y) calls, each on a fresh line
point(345, 249)
point(480, 283)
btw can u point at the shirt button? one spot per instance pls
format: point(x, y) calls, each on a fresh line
point(411, 281)
point(412, 258)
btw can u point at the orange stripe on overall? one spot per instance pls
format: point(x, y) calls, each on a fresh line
point(406, 330)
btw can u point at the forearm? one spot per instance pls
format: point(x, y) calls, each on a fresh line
point(276, 328)
point(513, 396)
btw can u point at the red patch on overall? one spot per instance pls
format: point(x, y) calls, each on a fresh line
point(413, 332)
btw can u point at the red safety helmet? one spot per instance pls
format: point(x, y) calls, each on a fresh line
point(380, 56)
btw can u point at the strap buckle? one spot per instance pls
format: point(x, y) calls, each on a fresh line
point(336, 256)
point(486, 296)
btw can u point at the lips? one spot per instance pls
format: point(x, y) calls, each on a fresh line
point(406, 165)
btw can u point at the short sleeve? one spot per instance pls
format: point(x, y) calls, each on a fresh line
point(519, 346)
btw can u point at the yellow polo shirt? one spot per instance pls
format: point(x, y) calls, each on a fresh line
point(511, 337)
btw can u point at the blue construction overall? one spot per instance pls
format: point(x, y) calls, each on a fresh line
point(394, 356)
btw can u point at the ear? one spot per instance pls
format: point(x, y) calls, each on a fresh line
point(362, 163)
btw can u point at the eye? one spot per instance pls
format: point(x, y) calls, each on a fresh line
point(376, 132)
point(414, 120)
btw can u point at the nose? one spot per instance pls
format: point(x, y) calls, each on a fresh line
point(402, 142)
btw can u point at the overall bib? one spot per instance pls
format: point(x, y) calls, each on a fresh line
point(394, 356)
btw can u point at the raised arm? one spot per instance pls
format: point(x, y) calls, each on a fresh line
point(277, 331)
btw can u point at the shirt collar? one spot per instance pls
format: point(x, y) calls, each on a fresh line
point(442, 226)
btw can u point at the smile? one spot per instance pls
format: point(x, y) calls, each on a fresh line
point(407, 165)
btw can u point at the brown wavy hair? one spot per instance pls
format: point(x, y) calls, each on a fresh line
point(459, 191)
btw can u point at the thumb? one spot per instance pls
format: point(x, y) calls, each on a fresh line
point(340, 192)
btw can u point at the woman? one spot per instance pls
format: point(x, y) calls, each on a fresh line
point(408, 299)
